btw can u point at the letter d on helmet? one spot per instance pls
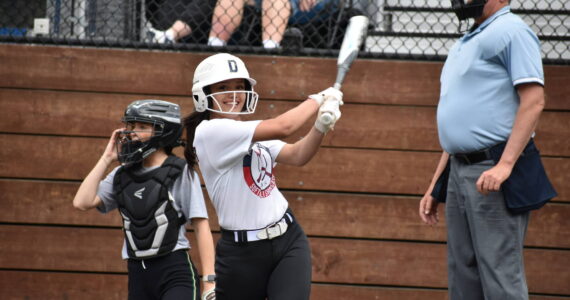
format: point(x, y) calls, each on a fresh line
point(214, 69)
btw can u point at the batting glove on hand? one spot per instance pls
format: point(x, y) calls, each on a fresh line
point(209, 295)
point(328, 115)
point(330, 93)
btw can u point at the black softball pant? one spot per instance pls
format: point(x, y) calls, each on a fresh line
point(169, 277)
point(277, 269)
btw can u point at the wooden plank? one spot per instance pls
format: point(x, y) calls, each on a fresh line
point(346, 261)
point(89, 69)
point(552, 133)
point(392, 263)
point(50, 202)
point(348, 170)
point(36, 156)
point(61, 249)
point(340, 292)
point(396, 218)
point(549, 227)
point(543, 281)
point(556, 88)
point(67, 113)
point(347, 292)
point(361, 126)
point(170, 73)
point(354, 170)
point(17, 285)
point(540, 297)
point(370, 81)
point(52, 285)
point(362, 216)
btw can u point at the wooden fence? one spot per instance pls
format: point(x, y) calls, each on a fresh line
point(357, 200)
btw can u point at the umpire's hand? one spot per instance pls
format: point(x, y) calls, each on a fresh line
point(428, 209)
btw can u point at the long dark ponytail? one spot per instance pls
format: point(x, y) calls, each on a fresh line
point(191, 122)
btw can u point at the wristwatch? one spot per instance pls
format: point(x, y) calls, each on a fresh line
point(209, 278)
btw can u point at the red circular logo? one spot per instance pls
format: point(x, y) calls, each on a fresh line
point(258, 170)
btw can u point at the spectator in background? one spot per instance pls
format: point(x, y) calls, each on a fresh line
point(169, 21)
point(275, 16)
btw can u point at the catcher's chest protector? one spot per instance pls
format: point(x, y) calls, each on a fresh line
point(150, 222)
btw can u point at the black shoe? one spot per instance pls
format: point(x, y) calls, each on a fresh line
point(292, 40)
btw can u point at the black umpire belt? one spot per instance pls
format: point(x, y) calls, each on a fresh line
point(270, 232)
point(477, 156)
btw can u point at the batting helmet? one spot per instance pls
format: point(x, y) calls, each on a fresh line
point(217, 68)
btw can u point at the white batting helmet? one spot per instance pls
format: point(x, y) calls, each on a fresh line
point(218, 68)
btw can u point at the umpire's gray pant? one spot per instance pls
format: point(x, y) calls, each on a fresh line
point(484, 240)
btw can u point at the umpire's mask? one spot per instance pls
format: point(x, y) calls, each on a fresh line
point(474, 9)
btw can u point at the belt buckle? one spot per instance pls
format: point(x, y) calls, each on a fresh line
point(273, 231)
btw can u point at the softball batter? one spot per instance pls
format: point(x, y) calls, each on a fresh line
point(263, 252)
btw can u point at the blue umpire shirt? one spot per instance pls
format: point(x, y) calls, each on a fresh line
point(478, 99)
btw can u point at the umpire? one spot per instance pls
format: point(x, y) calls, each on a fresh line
point(490, 174)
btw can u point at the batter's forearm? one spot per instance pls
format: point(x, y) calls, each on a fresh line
point(309, 146)
point(299, 115)
point(287, 123)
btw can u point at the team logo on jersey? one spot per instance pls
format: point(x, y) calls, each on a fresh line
point(139, 193)
point(258, 170)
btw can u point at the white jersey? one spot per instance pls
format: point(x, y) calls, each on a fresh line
point(239, 174)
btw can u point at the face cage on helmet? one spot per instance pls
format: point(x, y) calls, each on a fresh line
point(133, 151)
point(251, 98)
point(465, 11)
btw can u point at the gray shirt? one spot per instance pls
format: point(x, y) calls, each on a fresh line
point(186, 191)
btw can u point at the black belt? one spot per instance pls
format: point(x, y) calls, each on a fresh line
point(272, 231)
point(477, 156)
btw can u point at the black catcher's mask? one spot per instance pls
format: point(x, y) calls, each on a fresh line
point(167, 129)
point(465, 11)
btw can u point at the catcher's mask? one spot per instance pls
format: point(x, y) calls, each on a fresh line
point(167, 130)
point(217, 68)
point(464, 11)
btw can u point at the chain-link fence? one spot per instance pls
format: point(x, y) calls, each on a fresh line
point(418, 29)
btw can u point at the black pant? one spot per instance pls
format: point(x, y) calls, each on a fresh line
point(277, 269)
point(169, 277)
